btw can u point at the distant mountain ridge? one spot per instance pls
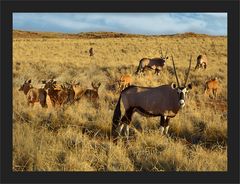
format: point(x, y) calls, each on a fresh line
point(96, 35)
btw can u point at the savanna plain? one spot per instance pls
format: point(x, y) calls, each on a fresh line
point(77, 137)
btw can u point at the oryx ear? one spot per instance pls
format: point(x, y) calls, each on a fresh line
point(189, 86)
point(29, 81)
point(173, 85)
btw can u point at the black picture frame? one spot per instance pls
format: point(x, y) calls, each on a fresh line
point(11, 6)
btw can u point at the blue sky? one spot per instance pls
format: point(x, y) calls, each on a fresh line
point(137, 23)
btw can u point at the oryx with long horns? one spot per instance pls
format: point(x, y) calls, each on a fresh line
point(164, 101)
point(155, 63)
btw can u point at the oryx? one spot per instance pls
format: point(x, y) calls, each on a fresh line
point(164, 101)
point(155, 64)
point(201, 62)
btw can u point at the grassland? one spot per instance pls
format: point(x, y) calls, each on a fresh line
point(77, 138)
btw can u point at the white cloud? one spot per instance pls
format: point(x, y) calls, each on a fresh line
point(143, 23)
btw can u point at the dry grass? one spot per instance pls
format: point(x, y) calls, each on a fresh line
point(77, 138)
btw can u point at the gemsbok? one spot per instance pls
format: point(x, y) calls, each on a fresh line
point(201, 62)
point(212, 86)
point(34, 94)
point(164, 101)
point(156, 64)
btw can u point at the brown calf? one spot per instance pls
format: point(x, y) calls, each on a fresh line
point(34, 94)
point(125, 81)
point(212, 86)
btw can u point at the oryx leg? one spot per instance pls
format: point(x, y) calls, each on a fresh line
point(157, 71)
point(126, 120)
point(162, 122)
point(196, 67)
point(164, 125)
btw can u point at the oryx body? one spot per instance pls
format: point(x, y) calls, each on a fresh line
point(201, 62)
point(164, 101)
point(155, 64)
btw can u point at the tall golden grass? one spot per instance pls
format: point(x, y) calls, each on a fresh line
point(77, 138)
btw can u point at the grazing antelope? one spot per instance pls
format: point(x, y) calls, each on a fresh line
point(164, 101)
point(124, 81)
point(201, 62)
point(212, 85)
point(91, 52)
point(58, 95)
point(155, 64)
point(92, 94)
point(34, 94)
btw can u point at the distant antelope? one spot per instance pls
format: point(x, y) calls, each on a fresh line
point(164, 101)
point(91, 52)
point(201, 62)
point(155, 64)
point(34, 94)
point(125, 81)
point(212, 86)
point(92, 94)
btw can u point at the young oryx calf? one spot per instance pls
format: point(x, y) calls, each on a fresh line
point(164, 101)
point(124, 81)
point(34, 94)
point(212, 86)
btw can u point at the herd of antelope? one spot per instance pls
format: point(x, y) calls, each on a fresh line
point(163, 101)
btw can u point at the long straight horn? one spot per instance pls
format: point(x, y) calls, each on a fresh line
point(161, 52)
point(175, 72)
point(166, 53)
point(189, 68)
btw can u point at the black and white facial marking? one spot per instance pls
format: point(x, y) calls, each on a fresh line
point(182, 92)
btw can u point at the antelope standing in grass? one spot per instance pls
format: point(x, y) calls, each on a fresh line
point(34, 94)
point(124, 81)
point(78, 90)
point(59, 95)
point(201, 62)
point(212, 86)
point(92, 94)
point(164, 101)
point(155, 64)
point(91, 52)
